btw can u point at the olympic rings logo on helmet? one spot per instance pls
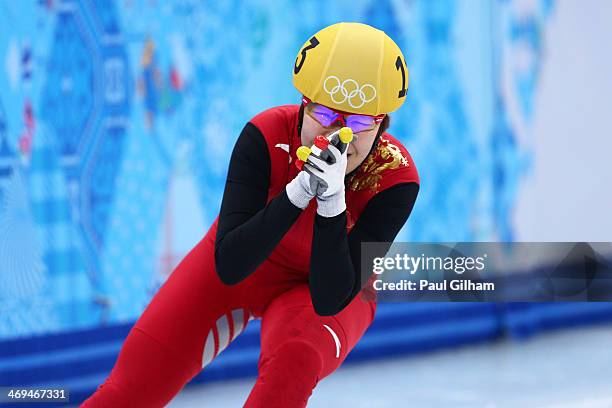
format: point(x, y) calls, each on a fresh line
point(339, 87)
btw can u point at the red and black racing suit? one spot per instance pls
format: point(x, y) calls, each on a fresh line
point(263, 257)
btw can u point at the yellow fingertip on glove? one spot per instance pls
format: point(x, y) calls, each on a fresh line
point(303, 152)
point(346, 135)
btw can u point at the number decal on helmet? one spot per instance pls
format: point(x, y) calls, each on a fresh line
point(313, 43)
point(399, 65)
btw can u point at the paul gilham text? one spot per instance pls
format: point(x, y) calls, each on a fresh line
point(423, 284)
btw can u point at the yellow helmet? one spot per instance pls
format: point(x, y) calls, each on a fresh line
point(352, 67)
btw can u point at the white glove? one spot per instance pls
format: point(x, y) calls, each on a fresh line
point(298, 190)
point(330, 199)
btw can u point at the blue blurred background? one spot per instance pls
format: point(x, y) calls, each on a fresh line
point(117, 119)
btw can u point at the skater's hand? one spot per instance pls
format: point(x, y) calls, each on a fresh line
point(299, 191)
point(330, 177)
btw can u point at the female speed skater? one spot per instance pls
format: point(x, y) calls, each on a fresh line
point(286, 245)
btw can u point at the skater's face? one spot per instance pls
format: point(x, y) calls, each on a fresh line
point(358, 149)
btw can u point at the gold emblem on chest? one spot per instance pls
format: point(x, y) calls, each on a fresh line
point(386, 156)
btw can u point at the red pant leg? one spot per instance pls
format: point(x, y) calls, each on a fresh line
point(146, 374)
point(299, 347)
point(191, 319)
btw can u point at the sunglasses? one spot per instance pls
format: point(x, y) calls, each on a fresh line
point(328, 117)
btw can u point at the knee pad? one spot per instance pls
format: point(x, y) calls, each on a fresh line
point(296, 358)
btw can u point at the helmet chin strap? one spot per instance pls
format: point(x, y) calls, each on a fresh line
point(300, 121)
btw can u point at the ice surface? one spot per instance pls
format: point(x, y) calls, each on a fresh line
point(567, 369)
